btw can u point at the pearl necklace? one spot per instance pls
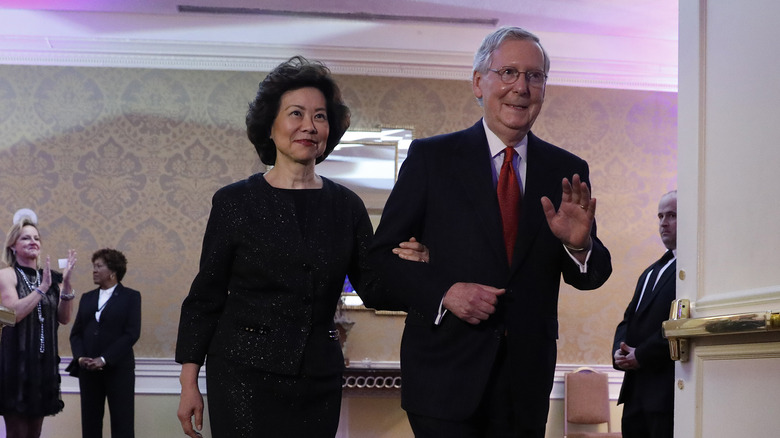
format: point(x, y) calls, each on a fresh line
point(31, 288)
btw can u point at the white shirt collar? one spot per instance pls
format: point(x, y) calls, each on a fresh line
point(497, 146)
point(105, 295)
point(109, 291)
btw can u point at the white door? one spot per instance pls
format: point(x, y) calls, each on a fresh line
point(729, 214)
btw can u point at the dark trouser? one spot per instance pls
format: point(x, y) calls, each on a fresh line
point(648, 425)
point(116, 385)
point(494, 417)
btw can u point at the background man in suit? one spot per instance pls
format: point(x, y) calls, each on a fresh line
point(640, 348)
point(107, 326)
point(479, 347)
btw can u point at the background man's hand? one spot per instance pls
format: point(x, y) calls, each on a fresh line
point(625, 357)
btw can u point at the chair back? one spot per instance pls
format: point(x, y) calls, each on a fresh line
point(586, 399)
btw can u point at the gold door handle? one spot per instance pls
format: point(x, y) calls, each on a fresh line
point(7, 316)
point(680, 327)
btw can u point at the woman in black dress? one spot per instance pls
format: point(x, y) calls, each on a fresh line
point(275, 253)
point(29, 360)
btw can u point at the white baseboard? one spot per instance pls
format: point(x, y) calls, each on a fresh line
point(161, 376)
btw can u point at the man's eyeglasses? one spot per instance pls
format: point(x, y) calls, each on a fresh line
point(509, 75)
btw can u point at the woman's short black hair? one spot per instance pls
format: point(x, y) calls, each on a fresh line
point(294, 74)
point(116, 262)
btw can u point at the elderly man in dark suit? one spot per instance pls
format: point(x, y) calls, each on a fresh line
point(640, 349)
point(504, 215)
point(107, 325)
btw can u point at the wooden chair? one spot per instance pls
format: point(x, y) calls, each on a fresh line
point(586, 401)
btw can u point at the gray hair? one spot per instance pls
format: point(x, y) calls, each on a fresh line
point(484, 55)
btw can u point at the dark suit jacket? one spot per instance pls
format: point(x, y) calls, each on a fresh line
point(445, 198)
point(116, 333)
point(651, 387)
point(253, 300)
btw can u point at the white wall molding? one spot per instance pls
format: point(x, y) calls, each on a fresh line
point(240, 43)
point(748, 300)
point(161, 376)
point(348, 61)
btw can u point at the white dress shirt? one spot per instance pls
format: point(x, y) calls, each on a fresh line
point(105, 294)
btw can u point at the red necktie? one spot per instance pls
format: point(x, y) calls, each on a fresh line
point(509, 201)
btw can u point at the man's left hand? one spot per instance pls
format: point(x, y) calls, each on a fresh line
point(574, 218)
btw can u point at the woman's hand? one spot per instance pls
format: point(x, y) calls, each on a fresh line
point(65, 309)
point(191, 401)
point(412, 250)
point(92, 363)
point(46, 280)
point(66, 274)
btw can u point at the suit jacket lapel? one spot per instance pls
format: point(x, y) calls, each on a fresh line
point(651, 293)
point(472, 162)
point(632, 306)
point(92, 300)
point(112, 299)
point(541, 180)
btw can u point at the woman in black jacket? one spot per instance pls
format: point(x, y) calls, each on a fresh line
point(275, 253)
point(108, 324)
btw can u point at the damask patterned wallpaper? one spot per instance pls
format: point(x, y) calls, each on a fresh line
point(129, 158)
